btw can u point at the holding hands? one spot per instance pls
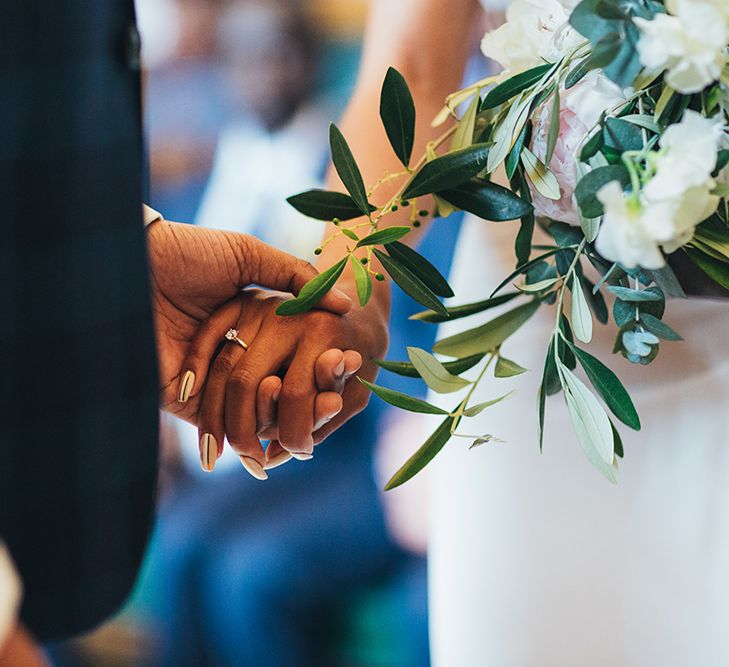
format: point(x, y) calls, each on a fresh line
point(290, 385)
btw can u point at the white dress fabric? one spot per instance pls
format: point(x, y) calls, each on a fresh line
point(535, 559)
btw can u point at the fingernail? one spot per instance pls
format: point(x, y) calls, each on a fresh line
point(302, 456)
point(341, 294)
point(253, 467)
point(276, 393)
point(339, 370)
point(277, 460)
point(186, 385)
point(208, 452)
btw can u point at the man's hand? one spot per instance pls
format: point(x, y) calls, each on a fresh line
point(196, 270)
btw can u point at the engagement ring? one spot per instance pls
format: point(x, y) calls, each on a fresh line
point(232, 335)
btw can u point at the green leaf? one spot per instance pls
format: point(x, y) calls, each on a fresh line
point(347, 169)
point(447, 171)
point(505, 368)
point(313, 291)
point(623, 136)
point(435, 375)
point(403, 401)
point(463, 137)
point(421, 267)
point(487, 200)
point(554, 123)
point(487, 337)
point(540, 286)
point(524, 268)
point(588, 417)
point(609, 387)
point(590, 184)
point(523, 241)
point(478, 409)
point(716, 270)
point(589, 23)
point(581, 316)
point(619, 450)
point(644, 121)
point(406, 369)
point(512, 160)
point(466, 310)
point(604, 51)
point(326, 205)
point(410, 283)
point(577, 73)
point(382, 236)
point(539, 174)
point(634, 296)
point(397, 112)
point(362, 281)
point(513, 86)
point(424, 455)
point(658, 327)
point(668, 281)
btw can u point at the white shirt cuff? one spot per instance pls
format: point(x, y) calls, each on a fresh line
point(150, 215)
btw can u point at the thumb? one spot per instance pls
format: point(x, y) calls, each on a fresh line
point(266, 266)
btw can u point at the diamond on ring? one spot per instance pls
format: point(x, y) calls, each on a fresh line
point(232, 335)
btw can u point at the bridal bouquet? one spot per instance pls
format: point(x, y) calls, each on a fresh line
point(609, 120)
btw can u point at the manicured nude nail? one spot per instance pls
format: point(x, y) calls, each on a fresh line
point(302, 456)
point(276, 394)
point(277, 460)
point(339, 370)
point(253, 467)
point(208, 452)
point(186, 386)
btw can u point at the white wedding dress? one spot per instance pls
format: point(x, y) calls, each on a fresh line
point(535, 559)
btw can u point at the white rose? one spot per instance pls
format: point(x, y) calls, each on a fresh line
point(690, 42)
point(535, 31)
point(688, 156)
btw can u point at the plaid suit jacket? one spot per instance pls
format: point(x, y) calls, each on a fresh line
point(78, 378)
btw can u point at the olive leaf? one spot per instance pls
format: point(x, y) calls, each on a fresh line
point(447, 171)
point(421, 267)
point(313, 291)
point(435, 375)
point(513, 86)
point(403, 401)
point(487, 200)
point(466, 310)
point(326, 205)
point(505, 368)
point(410, 283)
point(581, 315)
point(478, 409)
point(539, 174)
point(383, 236)
point(347, 169)
point(362, 280)
point(425, 454)
point(397, 112)
point(406, 369)
point(487, 337)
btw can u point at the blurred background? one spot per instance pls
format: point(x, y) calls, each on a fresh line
point(316, 566)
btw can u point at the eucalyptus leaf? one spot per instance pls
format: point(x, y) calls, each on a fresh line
point(487, 200)
point(410, 283)
point(421, 267)
point(487, 337)
point(658, 327)
point(362, 280)
point(382, 236)
point(397, 112)
point(425, 454)
point(505, 368)
point(590, 184)
point(347, 169)
point(406, 369)
point(403, 401)
point(311, 293)
point(634, 296)
point(326, 205)
point(447, 171)
point(435, 375)
point(466, 310)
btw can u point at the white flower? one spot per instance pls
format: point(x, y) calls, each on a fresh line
point(690, 42)
point(580, 110)
point(623, 237)
point(535, 31)
point(688, 156)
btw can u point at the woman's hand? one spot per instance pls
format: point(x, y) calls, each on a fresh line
point(282, 378)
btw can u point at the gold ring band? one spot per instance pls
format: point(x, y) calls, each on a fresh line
point(232, 335)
